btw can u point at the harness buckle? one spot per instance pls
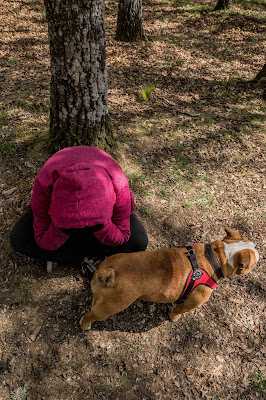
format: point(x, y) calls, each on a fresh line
point(191, 251)
point(197, 274)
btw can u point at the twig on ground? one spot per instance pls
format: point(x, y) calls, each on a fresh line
point(178, 111)
point(64, 380)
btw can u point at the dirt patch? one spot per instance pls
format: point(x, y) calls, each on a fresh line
point(194, 155)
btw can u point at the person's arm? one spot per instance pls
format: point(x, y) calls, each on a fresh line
point(47, 235)
point(116, 231)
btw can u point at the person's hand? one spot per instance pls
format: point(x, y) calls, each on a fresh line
point(86, 229)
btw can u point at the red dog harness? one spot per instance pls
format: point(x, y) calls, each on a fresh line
point(198, 276)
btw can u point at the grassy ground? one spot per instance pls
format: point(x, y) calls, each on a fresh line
point(194, 155)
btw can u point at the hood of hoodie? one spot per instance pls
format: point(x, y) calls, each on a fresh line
point(83, 195)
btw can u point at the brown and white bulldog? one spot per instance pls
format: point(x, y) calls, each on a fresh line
point(160, 276)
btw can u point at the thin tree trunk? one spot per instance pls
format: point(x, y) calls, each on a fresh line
point(260, 80)
point(222, 5)
point(78, 94)
point(129, 21)
point(261, 74)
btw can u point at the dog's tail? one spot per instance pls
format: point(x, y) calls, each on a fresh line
point(107, 277)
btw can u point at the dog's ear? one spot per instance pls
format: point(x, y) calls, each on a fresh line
point(232, 234)
point(244, 261)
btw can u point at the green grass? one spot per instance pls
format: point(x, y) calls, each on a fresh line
point(34, 106)
point(43, 17)
point(133, 175)
point(7, 148)
point(145, 192)
point(227, 133)
point(3, 117)
point(146, 93)
point(258, 381)
point(12, 61)
point(208, 121)
point(250, 3)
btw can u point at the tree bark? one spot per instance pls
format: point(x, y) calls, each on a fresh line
point(78, 94)
point(260, 79)
point(261, 74)
point(222, 5)
point(129, 21)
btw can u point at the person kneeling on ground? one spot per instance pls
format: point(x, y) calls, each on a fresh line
point(81, 207)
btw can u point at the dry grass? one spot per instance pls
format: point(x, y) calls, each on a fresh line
point(194, 156)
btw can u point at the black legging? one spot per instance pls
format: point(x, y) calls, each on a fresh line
point(81, 243)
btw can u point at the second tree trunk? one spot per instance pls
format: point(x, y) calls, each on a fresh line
point(129, 21)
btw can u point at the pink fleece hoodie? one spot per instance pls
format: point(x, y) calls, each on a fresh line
point(77, 187)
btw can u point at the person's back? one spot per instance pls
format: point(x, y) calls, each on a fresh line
point(77, 188)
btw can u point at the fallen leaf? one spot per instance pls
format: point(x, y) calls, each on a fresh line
point(11, 364)
point(205, 394)
point(35, 333)
point(216, 372)
point(9, 191)
point(204, 348)
point(93, 378)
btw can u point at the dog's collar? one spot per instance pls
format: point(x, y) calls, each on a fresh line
point(213, 260)
point(211, 256)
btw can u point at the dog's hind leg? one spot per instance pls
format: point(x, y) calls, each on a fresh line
point(102, 309)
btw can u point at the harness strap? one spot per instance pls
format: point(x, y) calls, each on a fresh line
point(192, 283)
point(192, 257)
point(198, 276)
point(213, 261)
point(187, 289)
point(197, 273)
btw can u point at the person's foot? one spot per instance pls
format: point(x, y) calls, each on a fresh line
point(89, 266)
point(50, 266)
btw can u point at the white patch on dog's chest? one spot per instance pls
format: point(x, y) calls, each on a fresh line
point(232, 248)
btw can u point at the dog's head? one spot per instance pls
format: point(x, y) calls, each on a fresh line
point(240, 252)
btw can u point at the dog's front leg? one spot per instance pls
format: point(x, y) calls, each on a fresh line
point(86, 320)
point(176, 311)
point(198, 297)
point(96, 314)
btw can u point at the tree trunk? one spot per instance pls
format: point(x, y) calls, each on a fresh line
point(129, 21)
point(260, 79)
point(78, 94)
point(222, 5)
point(261, 74)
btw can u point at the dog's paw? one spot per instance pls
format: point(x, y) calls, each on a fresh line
point(174, 318)
point(82, 327)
